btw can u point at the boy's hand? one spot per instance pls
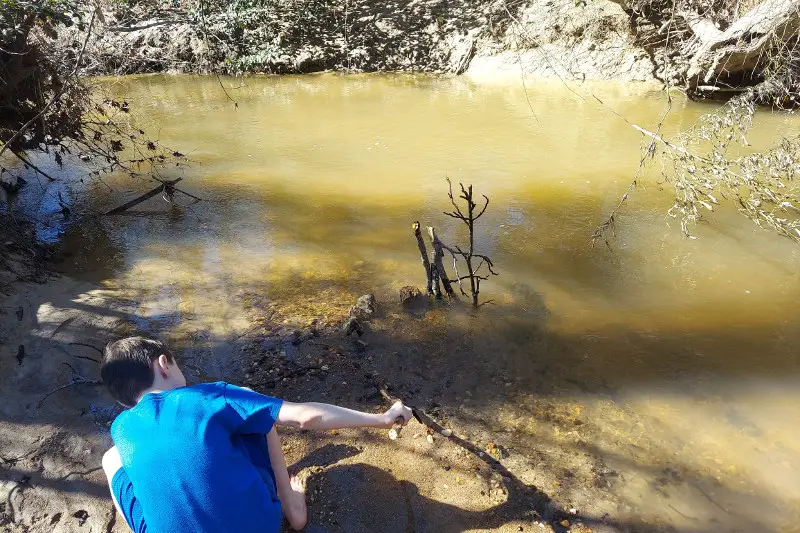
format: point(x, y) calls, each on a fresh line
point(398, 413)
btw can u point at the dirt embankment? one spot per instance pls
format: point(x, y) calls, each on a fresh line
point(705, 47)
point(487, 39)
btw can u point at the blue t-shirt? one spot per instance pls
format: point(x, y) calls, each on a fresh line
point(195, 459)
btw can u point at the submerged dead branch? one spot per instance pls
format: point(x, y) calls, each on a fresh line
point(434, 268)
point(485, 268)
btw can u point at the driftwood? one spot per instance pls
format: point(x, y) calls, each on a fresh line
point(164, 187)
point(438, 254)
point(745, 46)
point(423, 252)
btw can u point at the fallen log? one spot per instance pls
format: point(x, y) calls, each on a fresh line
point(745, 47)
point(146, 196)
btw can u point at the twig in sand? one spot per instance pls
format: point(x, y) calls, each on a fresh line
point(79, 381)
point(86, 345)
point(84, 473)
point(12, 460)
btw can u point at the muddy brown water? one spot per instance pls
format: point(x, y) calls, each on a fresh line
point(672, 362)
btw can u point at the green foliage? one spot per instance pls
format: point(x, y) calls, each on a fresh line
point(15, 13)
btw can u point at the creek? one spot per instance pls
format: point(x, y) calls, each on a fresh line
point(672, 361)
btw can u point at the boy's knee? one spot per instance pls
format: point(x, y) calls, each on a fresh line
point(111, 462)
point(297, 518)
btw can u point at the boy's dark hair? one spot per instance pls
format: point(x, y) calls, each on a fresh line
point(127, 368)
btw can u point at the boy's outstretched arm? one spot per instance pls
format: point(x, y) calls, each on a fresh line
point(323, 416)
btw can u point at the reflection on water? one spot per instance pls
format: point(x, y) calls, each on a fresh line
point(679, 352)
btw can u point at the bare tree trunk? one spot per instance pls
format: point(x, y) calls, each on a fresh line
point(438, 254)
point(423, 252)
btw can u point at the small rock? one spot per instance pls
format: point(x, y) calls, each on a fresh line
point(429, 438)
point(447, 432)
point(573, 511)
point(564, 523)
point(325, 368)
point(361, 343)
point(364, 308)
point(407, 294)
point(393, 435)
point(352, 325)
point(82, 516)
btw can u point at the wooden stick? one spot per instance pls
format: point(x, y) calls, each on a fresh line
point(427, 421)
point(142, 198)
point(172, 185)
point(423, 252)
point(397, 427)
point(438, 254)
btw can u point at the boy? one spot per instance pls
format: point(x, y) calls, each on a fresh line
point(205, 458)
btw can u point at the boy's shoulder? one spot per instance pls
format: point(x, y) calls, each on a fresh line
point(215, 387)
point(202, 394)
